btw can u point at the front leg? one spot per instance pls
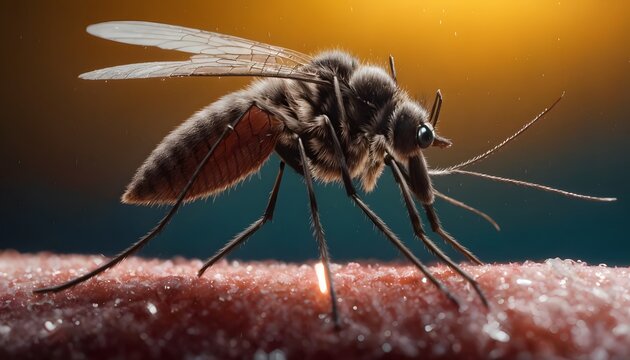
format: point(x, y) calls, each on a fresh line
point(420, 183)
point(419, 231)
point(377, 221)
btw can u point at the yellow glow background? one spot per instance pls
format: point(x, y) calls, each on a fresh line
point(498, 64)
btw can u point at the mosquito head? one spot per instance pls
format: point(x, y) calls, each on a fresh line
point(411, 130)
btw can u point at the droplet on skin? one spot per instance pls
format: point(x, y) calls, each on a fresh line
point(386, 347)
point(152, 308)
point(277, 355)
point(50, 326)
point(524, 282)
point(5, 330)
point(494, 331)
point(621, 329)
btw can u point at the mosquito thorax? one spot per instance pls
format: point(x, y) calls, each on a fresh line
point(373, 85)
point(404, 125)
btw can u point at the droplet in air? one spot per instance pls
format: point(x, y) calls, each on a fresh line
point(386, 347)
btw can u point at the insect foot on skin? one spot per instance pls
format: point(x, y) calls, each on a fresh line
point(329, 117)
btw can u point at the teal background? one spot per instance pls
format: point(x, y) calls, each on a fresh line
point(69, 147)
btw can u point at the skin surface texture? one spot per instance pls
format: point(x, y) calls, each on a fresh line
point(160, 309)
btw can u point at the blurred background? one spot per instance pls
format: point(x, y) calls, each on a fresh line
point(69, 147)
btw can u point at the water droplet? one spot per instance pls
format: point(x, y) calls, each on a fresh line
point(152, 308)
point(428, 328)
point(77, 322)
point(361, 337)
point(494, 331)
point(386, 347)
point(277, 355)
point(524, 282)
point(5, 330)
point(50, 326)
point(621, 329)
point(95, 305)
point(354, 308)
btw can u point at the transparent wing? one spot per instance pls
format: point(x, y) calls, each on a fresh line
point(200, 65)
point(216, 54)
point(195, 41)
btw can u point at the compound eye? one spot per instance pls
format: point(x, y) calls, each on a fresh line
point(425, 136)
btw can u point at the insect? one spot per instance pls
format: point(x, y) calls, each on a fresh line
point(328, 117)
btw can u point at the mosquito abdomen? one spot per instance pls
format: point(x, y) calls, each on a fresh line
point(241, 153)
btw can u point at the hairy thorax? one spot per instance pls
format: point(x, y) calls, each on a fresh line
point(369, 95)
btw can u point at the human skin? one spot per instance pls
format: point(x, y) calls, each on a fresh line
point(161, 309)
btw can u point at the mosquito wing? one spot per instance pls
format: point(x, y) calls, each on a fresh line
point(200, 65)
point(171, 37)
point(216, 54)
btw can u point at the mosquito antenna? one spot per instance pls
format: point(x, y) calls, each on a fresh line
point(504, 142)
point(522, 183)
point(467, 207)
point(392, 68)
point(435, 109)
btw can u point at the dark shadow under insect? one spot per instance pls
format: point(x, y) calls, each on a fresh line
point(328, 117)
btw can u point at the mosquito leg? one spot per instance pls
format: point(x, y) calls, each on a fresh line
point(417, 227)
point(454, 201)
point(379, 223)
point(437, 228)
point(249, 231)
point(155, 231)
point(319, 232)
point(465, 207)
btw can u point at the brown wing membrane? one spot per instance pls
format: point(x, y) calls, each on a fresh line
point(164, 174)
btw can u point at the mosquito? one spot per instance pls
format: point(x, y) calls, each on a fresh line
point(329, 117)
